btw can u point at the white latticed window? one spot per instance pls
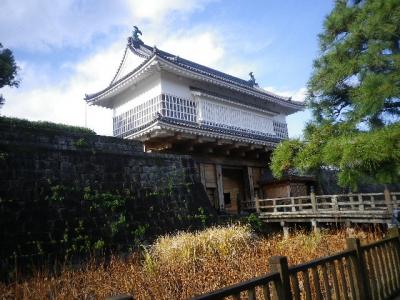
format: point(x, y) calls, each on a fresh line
point(178, 108)
point(234, 118)
point(166, 105)
point(281, 130)
point(137, 116)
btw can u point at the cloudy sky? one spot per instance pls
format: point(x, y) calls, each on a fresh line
point(66, 48)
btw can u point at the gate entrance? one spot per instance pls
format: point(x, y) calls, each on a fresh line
point(233, 186)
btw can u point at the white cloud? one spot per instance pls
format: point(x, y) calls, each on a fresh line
point(63, 102)
point(43, 24)
point(156, 11)
point(203, 48)
point(297, 95)
point(38, 25)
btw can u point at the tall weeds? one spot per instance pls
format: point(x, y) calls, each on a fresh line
point(182, 265)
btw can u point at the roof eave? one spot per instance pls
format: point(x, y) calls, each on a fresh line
point(292, 106)
point(104, 97)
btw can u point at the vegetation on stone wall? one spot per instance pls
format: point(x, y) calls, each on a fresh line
point(66, 195)
point(43, 125)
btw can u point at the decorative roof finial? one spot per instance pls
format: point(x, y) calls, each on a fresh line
point(252, 80)
point(135, 40)
point(135, 34)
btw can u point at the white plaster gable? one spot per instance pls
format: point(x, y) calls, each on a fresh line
point(128, 63)
point(139, 93)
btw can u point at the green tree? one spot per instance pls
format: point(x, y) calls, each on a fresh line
point(354, 95)
point(8, 70)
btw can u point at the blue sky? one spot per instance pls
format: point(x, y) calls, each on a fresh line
point(67, 48)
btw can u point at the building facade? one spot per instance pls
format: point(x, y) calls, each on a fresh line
point(173, 105)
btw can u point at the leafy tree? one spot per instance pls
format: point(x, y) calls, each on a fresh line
point(8, 70)
point(354, 95)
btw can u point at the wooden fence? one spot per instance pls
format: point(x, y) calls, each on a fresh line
point(361, 272)
point(363, 207)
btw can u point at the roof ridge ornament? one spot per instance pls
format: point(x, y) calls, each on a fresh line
point(252, 80)
point(135, 40)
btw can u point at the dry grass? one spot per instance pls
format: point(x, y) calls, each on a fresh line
point(180, 266)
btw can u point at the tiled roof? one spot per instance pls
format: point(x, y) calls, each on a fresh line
point(148, 52)
point(144, 50)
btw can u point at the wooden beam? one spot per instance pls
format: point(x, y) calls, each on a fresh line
point(204, 139)
point(254, 147)
point(239, 145)
point(220, 187)
point(221, 142)
point(158, 146)
point(161, 133)
point(185, 136)
point(249, 174)
point(208, 150)
point(202, 174)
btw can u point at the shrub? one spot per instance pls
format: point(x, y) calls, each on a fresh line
point(44, 125)
point(186, 247)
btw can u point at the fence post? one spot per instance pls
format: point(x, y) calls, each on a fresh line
point(313, 201)
point(335, 203)
point(121, 297)
point(361, 203)
point(293, 204)
point(359, 269)
point(257, 204)
point(280, 264)
point(388, 200)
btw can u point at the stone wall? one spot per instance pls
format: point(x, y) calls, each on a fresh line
point(65, 193)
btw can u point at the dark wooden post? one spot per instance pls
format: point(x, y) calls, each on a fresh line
point(388, 200)
point(280, 264)
point(121, 297)
point(313, 201)
point(220, 188)
point(257, 204)
point(249, 175)
point(363, 290)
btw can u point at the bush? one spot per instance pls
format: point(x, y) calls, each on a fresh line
point(186, 247)
point(43, 125)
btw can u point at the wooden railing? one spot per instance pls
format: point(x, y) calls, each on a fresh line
point(361, 272)
point(351, 204)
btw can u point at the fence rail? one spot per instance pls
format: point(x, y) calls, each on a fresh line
point(364, 206)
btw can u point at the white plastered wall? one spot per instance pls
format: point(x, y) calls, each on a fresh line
point(138, 94)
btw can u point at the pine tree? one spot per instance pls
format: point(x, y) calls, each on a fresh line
point(354, 95)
